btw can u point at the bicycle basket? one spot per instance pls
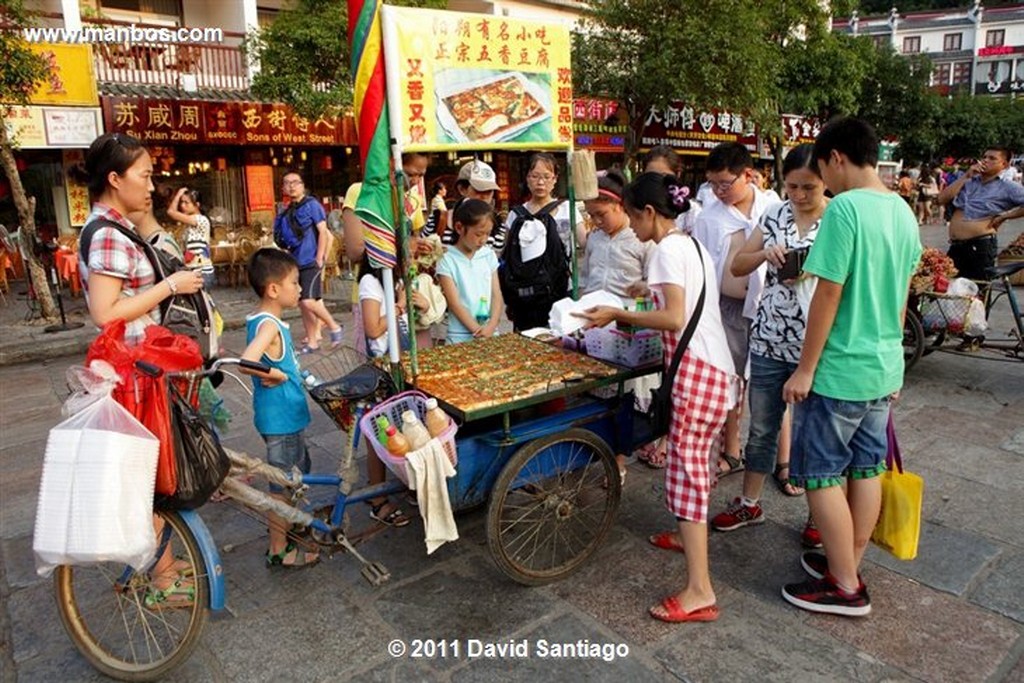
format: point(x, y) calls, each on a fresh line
point(336, 397)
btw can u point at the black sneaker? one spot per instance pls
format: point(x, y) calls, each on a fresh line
point(822, 595)
point(815, 564)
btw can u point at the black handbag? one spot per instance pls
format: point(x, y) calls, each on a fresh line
point(659, 413)
point(199, 460)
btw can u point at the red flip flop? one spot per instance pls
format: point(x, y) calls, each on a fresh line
point(666, 540)
point(674, 613)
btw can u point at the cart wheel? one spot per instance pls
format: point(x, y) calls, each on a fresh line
point(552, 506)
point(913, 340)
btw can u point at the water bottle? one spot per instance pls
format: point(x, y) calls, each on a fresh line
point(483, 311)
point(308, 379)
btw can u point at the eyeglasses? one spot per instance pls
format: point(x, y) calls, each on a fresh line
point(723, 185)
point(286, 183)
point(539, 177)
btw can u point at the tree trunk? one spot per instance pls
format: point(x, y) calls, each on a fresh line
point(777, 148)
point(26, 215)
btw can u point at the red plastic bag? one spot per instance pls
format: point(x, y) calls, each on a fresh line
point(146, 397)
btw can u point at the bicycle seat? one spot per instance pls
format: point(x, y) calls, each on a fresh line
point(1006, 270)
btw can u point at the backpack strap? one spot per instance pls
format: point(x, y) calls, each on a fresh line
point(89, 231)
point(549, 208)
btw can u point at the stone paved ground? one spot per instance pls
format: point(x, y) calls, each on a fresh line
point(953, 614)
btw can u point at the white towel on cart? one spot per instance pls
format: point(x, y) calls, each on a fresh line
point(428, 469)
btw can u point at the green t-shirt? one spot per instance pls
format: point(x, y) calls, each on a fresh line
point(868, 242)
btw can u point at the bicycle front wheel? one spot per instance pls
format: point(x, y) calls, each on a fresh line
point(122, 624)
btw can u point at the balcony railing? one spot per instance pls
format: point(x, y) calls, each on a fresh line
point(214, 66)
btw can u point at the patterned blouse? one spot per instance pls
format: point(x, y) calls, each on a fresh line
point(111, 253)
point(778, 332)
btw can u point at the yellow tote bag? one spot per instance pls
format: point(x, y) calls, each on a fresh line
point(899, 524)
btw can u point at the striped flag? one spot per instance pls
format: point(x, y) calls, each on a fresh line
point(374, 205)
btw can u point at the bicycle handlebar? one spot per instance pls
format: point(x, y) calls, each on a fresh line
point(151, 370)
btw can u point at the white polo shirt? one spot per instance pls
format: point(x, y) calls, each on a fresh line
point(714, 228)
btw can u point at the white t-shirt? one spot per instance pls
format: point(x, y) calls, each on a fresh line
point(371, 288)
point(675, 261)
point(714, 228)
point(687, 221)
point(615, 263)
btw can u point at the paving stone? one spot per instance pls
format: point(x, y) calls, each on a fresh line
point(544, 642)
point(761, 644)
point(958, 424)
point(957, 503)
point(919, 630)
point(464, 600)
point(947, 559)
point(624, 579)
point(1015, 442)
point(315, 636)
point(996, 468)
point(35, 622)
point(19, 562)
point(1000, 591)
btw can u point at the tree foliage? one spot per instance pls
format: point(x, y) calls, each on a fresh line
point(731, 54)
point(303, 56)
point(21, 72)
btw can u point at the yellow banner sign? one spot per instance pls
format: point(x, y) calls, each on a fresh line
point(468, 81)
point(71, 80)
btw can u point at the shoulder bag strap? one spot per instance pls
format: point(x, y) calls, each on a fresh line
point(90, 231)
point(691, 326)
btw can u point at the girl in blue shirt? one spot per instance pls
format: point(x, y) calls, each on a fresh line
point(468, 274)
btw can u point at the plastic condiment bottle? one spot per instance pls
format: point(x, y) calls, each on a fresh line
point(382, 429)
point(483, 311)
point(436, 419)
point(414, 431)
point(397, 444)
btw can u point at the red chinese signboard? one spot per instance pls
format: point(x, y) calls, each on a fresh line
point(596, 125)
point(799, 130)
point(225, 123)
point(694, 131)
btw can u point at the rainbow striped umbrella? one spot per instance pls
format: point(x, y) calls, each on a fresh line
point(374, 207)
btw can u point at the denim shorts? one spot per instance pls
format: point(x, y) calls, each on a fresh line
point(285, 451)
point(767, 377)
point(833, 439)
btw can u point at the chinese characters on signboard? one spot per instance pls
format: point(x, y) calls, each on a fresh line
point(799, 130)
point(226, 123)
point(53, 127)
point(77, 193)
point(696, 131)
point(468, 81)
point(598, 125)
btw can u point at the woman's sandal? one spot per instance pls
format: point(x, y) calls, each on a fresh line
point(735, 465)
point(782, 483)
point(301, 559)
point(337, 336)
point(180, 594)
point(394, 518)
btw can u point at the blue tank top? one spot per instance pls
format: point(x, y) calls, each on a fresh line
point(281, 409)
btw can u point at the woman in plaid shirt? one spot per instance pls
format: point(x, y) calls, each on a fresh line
point(117, 278)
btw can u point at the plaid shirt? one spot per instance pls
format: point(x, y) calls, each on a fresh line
point(113, 254)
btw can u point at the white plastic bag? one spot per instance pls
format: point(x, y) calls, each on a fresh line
point(961, 286)
point(96, 494)
point(976, 323)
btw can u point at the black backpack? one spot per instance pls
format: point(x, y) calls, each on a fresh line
point(532, 287)
point(189, 314)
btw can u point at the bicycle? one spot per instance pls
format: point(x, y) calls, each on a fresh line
point(111, 611)
point(935, 322)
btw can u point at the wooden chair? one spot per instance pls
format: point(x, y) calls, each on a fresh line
point(246, 248)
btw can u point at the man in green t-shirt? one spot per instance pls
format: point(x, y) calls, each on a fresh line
point(851, 364)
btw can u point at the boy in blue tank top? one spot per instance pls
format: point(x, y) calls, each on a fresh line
point(280, 410)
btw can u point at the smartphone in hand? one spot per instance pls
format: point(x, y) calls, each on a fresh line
point(794, 264)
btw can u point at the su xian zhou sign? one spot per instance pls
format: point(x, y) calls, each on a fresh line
point(467, 81)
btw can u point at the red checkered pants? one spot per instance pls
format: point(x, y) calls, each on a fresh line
point(701, 398)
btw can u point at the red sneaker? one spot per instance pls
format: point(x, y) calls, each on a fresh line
point(810, 537)
point(738, 515)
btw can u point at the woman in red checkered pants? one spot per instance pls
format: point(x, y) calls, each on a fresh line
point(703, 390)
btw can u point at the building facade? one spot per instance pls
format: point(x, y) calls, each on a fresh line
point(974, 49)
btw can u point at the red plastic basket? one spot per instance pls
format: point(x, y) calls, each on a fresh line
point(392, 409)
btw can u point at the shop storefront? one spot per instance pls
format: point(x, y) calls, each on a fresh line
point(236, 153)
point(600, 126)
point(1000, 70)
point(52, 133)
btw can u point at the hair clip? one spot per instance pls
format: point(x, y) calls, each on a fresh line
point(679, 194)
